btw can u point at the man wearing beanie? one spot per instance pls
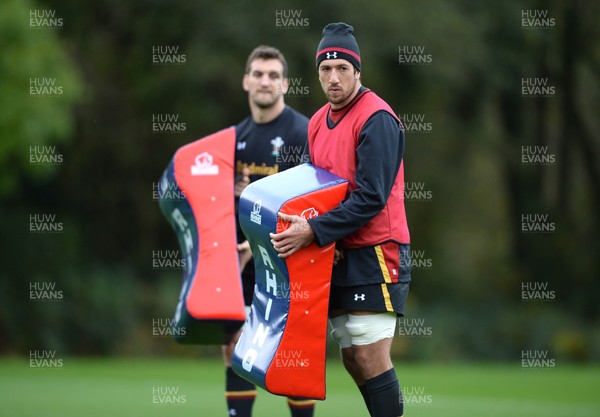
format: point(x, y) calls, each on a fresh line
point(357, 136)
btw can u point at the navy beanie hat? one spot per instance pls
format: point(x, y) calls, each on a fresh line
point(338, 42)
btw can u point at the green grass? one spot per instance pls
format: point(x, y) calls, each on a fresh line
point(123, 387)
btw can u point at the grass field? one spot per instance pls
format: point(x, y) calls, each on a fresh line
point(124, 387)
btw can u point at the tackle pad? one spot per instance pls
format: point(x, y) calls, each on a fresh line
point(282, 348)
point(196, 195)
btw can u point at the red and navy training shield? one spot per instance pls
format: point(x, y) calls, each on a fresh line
point(196, 195)
point(283, 346)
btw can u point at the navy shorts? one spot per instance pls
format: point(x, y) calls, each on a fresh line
point(372, 278)
point(371, 297)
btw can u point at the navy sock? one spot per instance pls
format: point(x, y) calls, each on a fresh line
point(365, 394)
point(239, 393)
point(384, 392)
point(301, 407)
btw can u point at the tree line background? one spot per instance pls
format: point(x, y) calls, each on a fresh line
point(468, 290)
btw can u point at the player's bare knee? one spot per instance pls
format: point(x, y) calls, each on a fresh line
point(348, 355)
point(348, 359)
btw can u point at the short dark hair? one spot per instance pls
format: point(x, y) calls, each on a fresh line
point(266, 52)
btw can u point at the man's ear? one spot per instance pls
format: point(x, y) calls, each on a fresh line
point(246, 82)
point(285, 85)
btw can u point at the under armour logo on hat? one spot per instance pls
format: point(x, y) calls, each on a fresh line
point(359, 297)
point(331, 55)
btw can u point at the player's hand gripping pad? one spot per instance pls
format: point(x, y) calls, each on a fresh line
point(196, 197)
point(282, 348)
